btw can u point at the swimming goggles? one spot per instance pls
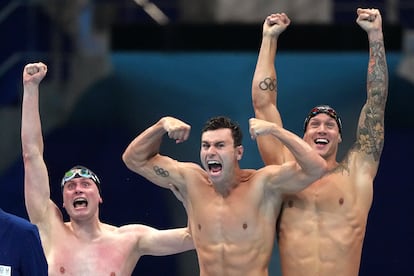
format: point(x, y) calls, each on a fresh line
point(80, 172)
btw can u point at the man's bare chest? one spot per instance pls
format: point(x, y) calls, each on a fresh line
point(74, 257)
point(233, 219)
point(333, 197)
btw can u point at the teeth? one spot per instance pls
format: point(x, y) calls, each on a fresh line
point(214, 165)
point(80, 202)
point(321, 141)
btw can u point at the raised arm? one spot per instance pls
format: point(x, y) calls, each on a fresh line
point(370, 131)
point(36, 180)
point(293, 176)
point(142, 154)
point(264, 87)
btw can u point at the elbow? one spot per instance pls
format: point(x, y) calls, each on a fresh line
point(188, 241)
point(316, 171)
point(257, 103)
point(134, 162)
point(260, 103)
point(30, 153)
point(126, 159)
point(321, 170)
point(130, 162)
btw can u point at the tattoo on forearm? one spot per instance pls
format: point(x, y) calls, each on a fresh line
point(377, 78)
point(161, 172)
point(371, 128)
point(268, 84)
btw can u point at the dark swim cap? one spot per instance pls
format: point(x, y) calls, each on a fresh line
point(326, 109)
point(80, 171)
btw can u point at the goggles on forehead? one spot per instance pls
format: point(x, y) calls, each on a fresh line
point(323, 109)
point(326, 110)
point(80, 172)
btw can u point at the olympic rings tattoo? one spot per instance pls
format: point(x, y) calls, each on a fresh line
point(268, 84)
point(161, 172)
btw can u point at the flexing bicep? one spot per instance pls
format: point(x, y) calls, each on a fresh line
point(165, 242)
point(162, 171)
point(289, 177)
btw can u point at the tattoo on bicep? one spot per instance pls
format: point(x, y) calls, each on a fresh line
point(371, 132)
point(161, 172)
point(268, 84)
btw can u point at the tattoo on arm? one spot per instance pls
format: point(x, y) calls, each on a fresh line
point(371, 124)
point(268, 84)
point(342, 167)
point(371, 134)
point(161, 172)
point(377, 79)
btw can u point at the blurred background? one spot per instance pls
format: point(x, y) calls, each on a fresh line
point(116, 66)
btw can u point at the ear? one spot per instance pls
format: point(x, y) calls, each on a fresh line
point(100, 200)
point(340, 138)
point(239, 152)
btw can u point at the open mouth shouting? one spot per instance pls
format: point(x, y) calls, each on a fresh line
point(80, 202)
point(214, 167)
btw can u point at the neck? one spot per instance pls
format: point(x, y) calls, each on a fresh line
point(225, 186)
point(331, 162)
point(87, 230)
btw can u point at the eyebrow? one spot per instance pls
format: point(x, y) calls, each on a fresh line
point(318, 119)
point(214, 142)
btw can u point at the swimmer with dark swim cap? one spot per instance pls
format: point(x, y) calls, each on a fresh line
point(326, 109)
point(80, 171)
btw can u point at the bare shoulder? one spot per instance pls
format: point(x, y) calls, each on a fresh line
point(130, 233)
point(353, 175)
point(130, 228)
point(249, 174)
point(259, 186)
point(192, 166)
point(192, 170)
point(284, 169)
point(258, 178)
